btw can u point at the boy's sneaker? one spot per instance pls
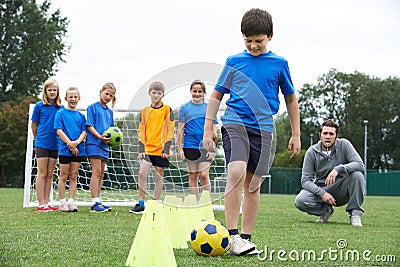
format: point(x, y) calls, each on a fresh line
point(240, 246)
point(107, 207)
point(43, 209)
point(137, 209)
point(52, 208)
point(98, 207)
point(63, 207)
point(355, 220)
point(325, 217)
point(72, 207)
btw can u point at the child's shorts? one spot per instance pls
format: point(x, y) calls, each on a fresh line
point(69, 159)
point(46, 153)
point(253, 146)
point(196, 155)
point(157, 161)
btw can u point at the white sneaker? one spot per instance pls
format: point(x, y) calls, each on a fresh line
point(240, 246)
point(355, 220)
point(63, 207)
point(254, 252)
point(325, 217)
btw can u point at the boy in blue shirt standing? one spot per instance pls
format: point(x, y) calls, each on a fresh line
point(253, 78)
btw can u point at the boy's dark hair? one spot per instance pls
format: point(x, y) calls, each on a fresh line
point(330, 123)
point(255, 22)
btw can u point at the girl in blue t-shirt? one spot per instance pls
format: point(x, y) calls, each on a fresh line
point(70, 126)
point(45, 142)
point(191, 119)
point(99, 119)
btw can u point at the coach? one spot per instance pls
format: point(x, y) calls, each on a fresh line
point(332, 176)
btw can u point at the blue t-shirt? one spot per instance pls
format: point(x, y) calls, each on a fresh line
point(72, 123)
point(253, 84)
point(193, 115)
point(101, 118)
point(46, 136)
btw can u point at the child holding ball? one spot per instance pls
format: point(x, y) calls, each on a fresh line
point(99, 119)
point(70, 126)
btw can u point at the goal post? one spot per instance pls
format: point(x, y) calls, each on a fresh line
point(120, 179)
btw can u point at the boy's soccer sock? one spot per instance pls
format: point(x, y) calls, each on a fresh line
point(245, 236)
point(62, 200)
point(233, 231)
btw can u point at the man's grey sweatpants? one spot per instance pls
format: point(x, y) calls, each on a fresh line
point(346, 189)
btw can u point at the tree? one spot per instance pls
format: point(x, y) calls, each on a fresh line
point(31, 45)
point(14, 121)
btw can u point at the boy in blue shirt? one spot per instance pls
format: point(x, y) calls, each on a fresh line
point(253, 78)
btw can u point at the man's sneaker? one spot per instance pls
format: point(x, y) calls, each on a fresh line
point(137, 209)
point(52, 208)
point(240, 246)
point(107, 207)
point(43, 209)
point(72, 207)
point(98, 207)
point(325, 217)
point(63, 207)
point(355, 220)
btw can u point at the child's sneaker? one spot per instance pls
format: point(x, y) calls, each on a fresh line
point(43, 209)
point(240, 246)
point(137, 209)
point(72, 207)
point(98, 207)
point(107, 207)
point(52, 208)
point(63, 207)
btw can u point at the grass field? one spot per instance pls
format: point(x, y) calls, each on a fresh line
point(29, 238)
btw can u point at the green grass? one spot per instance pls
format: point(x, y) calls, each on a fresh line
point(30, 238)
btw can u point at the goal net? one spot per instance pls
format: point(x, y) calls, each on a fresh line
point(120, 187)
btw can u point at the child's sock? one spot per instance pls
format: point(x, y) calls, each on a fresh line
point(70, 201)
point(62, 201)
point(245, 236)
point(95, 200)
point(233, 231)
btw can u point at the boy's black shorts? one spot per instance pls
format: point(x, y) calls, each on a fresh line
point(157, 161)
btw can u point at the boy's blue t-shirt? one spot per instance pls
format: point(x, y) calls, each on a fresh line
point(101, 118)
point(72, 123)
point(253, 84)
point(193, 115)
point(46, 136)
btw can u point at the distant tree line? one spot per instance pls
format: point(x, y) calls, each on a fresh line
point(349, 99)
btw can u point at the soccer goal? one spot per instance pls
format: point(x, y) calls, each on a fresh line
point(120, 179)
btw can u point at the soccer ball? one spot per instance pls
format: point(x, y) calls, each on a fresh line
point(210, 238)
point(115, 134)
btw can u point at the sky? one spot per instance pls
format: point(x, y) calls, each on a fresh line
point(132, 43)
